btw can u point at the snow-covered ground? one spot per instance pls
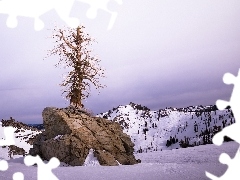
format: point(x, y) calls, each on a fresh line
point(177, 164)
point(21, 137)
point(166, 164)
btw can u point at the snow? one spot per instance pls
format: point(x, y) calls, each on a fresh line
point(177, 164)
point(91, 160)
point(150, 130)
point(57, 137)
point(21, 137)
point(165, 163)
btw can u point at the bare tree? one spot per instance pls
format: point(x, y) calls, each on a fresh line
point(72, 48)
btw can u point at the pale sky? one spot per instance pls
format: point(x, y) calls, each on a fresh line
point(159, 53)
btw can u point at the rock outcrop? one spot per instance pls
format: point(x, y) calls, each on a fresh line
point(14, 150)
point(12, 122)
point(69, 135)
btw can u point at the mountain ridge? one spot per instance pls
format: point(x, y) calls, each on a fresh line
point(170, 128)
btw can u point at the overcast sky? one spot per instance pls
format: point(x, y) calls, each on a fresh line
point(159, 53)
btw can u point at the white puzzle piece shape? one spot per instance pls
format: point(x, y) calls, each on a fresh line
point(9, 135)
point(44, 170)
point(3, 165)
point(10, 140)
point(35, 8)
point(231, 131)
point(18, 176)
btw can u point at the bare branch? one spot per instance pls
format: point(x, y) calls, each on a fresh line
point(72, 49)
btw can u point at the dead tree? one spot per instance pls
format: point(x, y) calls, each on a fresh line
point(72, 48)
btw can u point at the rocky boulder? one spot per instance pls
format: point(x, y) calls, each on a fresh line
point(69, 135)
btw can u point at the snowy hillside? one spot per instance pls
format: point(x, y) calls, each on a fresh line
point(175, 164)
point(23, 138)
point(169, 128)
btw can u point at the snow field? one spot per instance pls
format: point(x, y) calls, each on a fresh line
point(177, 164)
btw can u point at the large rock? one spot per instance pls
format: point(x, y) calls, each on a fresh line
point(69, 135)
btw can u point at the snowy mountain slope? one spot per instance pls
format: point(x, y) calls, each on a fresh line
point(175, 164)
point(22, 137)
point(169, 128)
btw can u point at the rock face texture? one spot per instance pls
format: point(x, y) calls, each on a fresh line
point(69, 136)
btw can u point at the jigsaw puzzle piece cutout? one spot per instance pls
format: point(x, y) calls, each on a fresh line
point(34, 9)
point(221, 104)
point(38, 24)
point(229, 78)
point(44, 170)
point(113, 5)
point(96, 5)
point(232, 130)
point(3, 165)
point(25, 8)
point(18, 176)
point(234, 102)
point(63, 9)
point(12, 21)
point(9, 135)
point(233, 167)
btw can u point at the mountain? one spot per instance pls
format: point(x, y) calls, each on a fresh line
point(150, 131)
point(38, 126)
point(170, 128)
point(24, 137)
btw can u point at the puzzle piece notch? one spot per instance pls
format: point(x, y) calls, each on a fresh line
point(9, 135)
point(25, 8)
point(18, 176)
point(229, 78)
point(234, 102)
point(230, 131)
point(63, 9)
point(36, 8)
point(3, 165)
point(233, 172)
point(221, 104)
point(95, 5)
point(12, 22)
point(44, 170)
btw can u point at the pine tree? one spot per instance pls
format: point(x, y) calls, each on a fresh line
point(72, 49)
